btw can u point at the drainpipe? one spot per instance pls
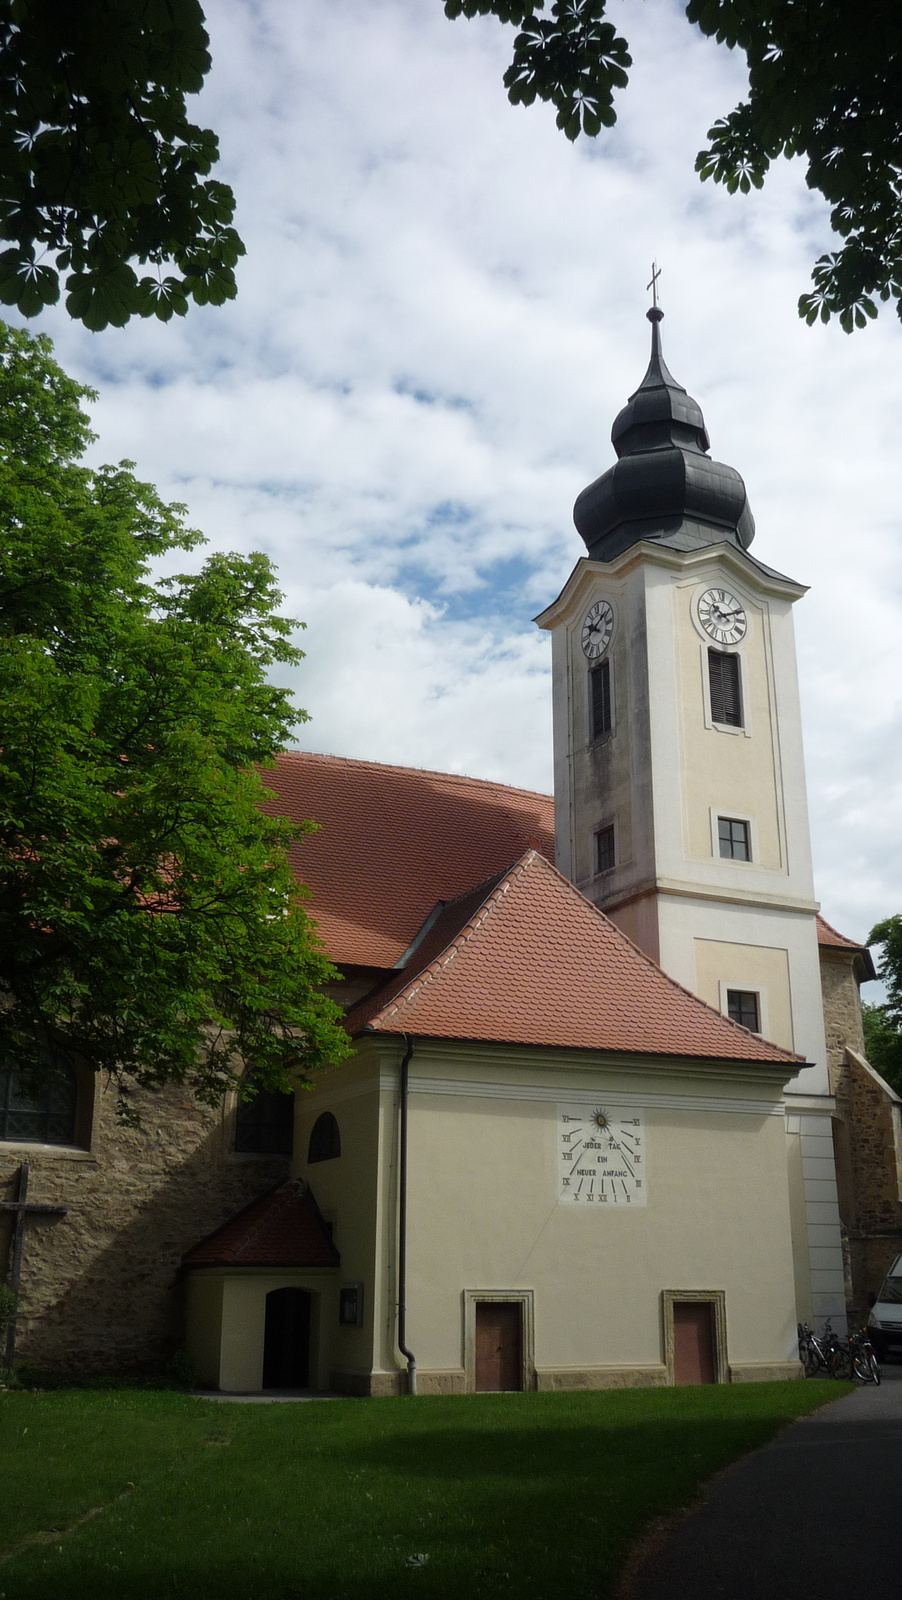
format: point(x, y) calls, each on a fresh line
point(408, 1355)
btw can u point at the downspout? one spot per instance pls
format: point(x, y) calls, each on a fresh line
point(408, 1355)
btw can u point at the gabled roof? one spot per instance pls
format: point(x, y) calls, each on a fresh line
point(393, 841)
point(280, 1229)
point(526, 959)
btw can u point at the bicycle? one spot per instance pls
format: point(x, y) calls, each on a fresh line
point(828, 1354)
point(865, 1365)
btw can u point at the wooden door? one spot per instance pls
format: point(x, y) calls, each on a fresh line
point(693, 1342)
point(499, 1345)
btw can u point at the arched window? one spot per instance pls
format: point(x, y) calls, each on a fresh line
point(264, 1126)
point(325, 1139)
point(39, 1111)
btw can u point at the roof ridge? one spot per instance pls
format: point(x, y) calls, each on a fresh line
point(280, 1197)
point(443, 960)
point(649, 961)
point(484, 910)
point(421, 772)
point(257, 1200)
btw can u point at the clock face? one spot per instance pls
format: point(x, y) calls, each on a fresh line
point(598, 625)
point(601, 1157)
point(722, 616)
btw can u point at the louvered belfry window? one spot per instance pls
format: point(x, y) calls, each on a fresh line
point(726, 691)
point(600, 690)
point(605, 854)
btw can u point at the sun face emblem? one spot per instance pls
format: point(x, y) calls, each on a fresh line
point(600, 1119)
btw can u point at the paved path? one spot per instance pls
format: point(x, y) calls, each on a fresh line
point(815, 1515)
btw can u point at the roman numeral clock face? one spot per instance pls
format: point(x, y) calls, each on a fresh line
point(722, 616)
point(598, 625)
point(601, 1157)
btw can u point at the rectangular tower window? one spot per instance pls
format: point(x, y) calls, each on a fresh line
point(604, 849)
point(742, 1006)
point(726, 692)
point(600, 699)
point(733, 836)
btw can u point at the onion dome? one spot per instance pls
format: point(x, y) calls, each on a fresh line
point(664, 487)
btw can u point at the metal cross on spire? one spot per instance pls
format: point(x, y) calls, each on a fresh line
point(653, 284)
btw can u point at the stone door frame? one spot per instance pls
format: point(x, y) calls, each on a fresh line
point(717, 1299)
point(525, 1299)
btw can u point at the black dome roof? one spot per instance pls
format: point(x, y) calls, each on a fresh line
point(664, 487)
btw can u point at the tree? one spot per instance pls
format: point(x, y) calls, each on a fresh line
point(883, 1043)
point(825, 83)
point(100, 169)
point(883, 1024)
point(150, 924)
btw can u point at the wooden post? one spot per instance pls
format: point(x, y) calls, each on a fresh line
point(20, 1210)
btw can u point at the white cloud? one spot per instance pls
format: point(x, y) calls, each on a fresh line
point(440, 313)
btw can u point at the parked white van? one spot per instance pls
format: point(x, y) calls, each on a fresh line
point(885, 1317)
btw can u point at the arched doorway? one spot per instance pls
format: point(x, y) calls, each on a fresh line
point(286, 1339)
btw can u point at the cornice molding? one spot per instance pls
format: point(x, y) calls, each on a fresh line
point(719, 556)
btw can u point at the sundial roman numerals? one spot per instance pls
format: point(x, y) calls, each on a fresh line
point(601, 1155)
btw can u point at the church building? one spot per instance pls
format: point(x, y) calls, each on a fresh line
point(608, 1120)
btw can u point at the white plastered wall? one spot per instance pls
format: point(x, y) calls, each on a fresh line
point(484, 1211)
point(226, 1320)
point(348, 1193)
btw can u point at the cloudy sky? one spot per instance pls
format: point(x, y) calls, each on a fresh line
point(440, 313)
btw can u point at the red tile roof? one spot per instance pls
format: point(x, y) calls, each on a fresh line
point(393, 841)
point(526, 959)
point(280, 1229)
point(829, 936)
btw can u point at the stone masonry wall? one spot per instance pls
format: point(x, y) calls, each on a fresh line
point(842, 1009)
point(867, 1139)
point(100, 1286)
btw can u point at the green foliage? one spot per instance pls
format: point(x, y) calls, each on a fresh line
point(150, 924)
point(573, 58)
point(883, 1043)
point(883, 1024)
point(825, 83)
point(100, 170)
point(182, 1371)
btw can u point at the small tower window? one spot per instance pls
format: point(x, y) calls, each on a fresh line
point(726, 689)
point(605, 857)
point(742, 1007)
point(600, 699)
point(325, 1139)
point(264, 1126)
point(733, 837)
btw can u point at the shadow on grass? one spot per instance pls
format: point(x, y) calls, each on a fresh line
point(533, 1496)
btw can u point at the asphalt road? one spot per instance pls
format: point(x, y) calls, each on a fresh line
point(815, 1515)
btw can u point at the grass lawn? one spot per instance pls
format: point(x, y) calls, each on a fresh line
point(147, 1496)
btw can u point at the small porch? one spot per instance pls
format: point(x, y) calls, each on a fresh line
point(262, 1293)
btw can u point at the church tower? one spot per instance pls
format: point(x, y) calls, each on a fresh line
point(680, 803)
